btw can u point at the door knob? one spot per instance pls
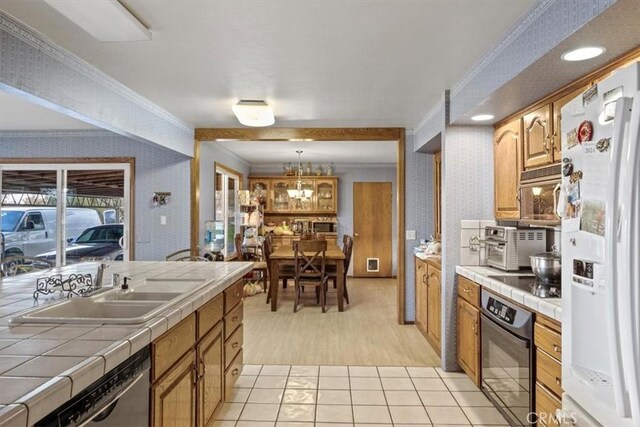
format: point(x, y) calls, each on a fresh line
point(356, 235)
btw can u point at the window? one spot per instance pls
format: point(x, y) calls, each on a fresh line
point(33, 222)
point(227, 210)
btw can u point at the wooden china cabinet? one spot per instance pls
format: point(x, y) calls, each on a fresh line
point(324, 199)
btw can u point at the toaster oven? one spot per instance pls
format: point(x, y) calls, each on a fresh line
point(325, 226)
point(509, 248)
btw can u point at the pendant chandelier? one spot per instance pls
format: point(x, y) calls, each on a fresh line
point(299, 193)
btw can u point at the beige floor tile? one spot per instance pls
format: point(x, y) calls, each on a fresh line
point(276, 370)
point(422, 372)
point(484, 415)
point(403, 398)
point(307, 397)
point(366, 384)
point(265, 395)
point(447, 415)
point(334, 371)
point(230, 411)
point(372, 425)
point(437, 398)
point(333, 383)
point(246, 381)
point(371, 414)
point(251, 369)
point(397, 384)
point(412, 425)
point(368, 397)
point(460, 384)
point(393, 372)
point(304, 371)
point(303, 382)
point(447, 374)
point(293, 424)
point(239, 395)
point(270, 381)
point(317, 424)
point(334, 397)
point(409, 415)
point(297, 413)
point(429, 384)
point(471, 398)
point(254, 424)
point(219, 423)
point(259, 412)
point(363, 371)
point(334, 414)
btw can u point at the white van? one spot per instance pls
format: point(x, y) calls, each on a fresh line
point(32, 230)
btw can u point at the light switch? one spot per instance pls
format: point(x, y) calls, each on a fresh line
point(411, 235)
point(163, 220)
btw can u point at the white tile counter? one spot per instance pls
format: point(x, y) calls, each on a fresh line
point(550, 307)
point(43, 365)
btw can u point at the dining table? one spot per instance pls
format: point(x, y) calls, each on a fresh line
point(284, 256)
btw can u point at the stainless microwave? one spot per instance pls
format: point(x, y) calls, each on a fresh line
point(325, 226)
point(539, 202)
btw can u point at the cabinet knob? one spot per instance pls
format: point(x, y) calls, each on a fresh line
point(556, 348)
point(558, 381)
point(235, 344)
point(235, 318)
point(466, 290)
point(235, 372)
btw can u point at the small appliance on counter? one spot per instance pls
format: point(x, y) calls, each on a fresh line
point(325, 225)
point(509, 248)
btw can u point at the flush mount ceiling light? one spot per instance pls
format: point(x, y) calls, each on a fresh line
point(254, 113)
point(106, 20)
point(481, 117)
point(583, 53)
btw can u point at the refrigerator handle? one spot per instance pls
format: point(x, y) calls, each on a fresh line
point(622, 116)
point(629, 268)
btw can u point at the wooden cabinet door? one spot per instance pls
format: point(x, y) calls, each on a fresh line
point(434, 311)
point(421, 296)
point(280, 199)
point(507, 167)
point(469, 339)
point(326, 197)
point(173, 397)
point(304, 204)
point(265, 191)
point(211, 375)
point(557, 122)
point(537, 138)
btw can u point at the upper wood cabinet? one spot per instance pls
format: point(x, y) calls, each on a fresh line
point(507, 167)
point(324, 199)
point(437, 193)
point(537, 138)
point(265, 186)
point(557, 122)
point(279, 195)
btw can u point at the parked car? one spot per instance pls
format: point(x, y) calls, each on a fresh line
point(32, 230)
point(100, 242)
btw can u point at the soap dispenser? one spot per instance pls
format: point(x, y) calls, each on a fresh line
point(125, 289)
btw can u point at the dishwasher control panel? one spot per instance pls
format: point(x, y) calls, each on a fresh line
point(501, 311)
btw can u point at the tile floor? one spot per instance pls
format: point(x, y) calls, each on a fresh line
point(334, 396)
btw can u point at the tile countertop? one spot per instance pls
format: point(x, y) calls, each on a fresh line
point(550, 307)
point(43, 365)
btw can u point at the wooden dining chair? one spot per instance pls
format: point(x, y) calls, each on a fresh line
point(347, 249)
point(310, 270)
point(260, 266)
point(286, 271)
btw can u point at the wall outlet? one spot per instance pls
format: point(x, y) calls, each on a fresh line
point(411, 235)
point(163, 220)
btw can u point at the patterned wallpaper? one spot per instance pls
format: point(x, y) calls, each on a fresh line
point(428, 132)
point(32, 66)
point(156, 169)
point(467, 193)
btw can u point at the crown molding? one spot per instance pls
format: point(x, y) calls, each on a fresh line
point(339, 168)
point(58, 133)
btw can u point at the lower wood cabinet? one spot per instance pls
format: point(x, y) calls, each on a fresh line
point(173, 397)
point(468, 328)
point(547, 338)
point(428, 301)
point(211, 372)
point(421, 295)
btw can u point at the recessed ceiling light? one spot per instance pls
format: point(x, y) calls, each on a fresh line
point(583, 53)
point(254, 113)
point(481, 117)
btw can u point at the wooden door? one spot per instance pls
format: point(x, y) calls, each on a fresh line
point(437, 190)
point(173, 397)
point(434, 304)
point(557, 122)
point(507, 167)
point(211, 371)
point(372, 229)
point(469, 339)
point(421, 296)
point(537, 138)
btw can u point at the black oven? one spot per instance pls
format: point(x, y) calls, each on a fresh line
point(508, 358)
point(325, 226)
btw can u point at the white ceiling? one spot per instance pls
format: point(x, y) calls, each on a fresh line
point(318, 62)
point(257, 152)
point(17, 113)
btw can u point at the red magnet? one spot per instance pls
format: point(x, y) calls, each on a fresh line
point(585, 131)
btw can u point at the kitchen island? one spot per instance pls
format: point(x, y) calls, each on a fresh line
point(42, 366)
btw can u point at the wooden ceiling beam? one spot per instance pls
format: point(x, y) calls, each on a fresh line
point(297, 134)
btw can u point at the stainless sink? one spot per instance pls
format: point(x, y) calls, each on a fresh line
point(138, 296)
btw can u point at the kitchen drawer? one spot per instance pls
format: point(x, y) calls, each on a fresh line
point(232, 296)
point(469, 291)
point(210, 314)
point(233, 346)
point(549, 372)
point(231, 375)
point(546, 406)
point(548, 340)
point(233, 320)
point(172, 345)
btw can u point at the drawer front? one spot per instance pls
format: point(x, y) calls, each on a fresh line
point(172, 345)
point(548, 340)
point(210, 314)
point(231, 375)
point(232, 296)
point(233, 320)
point(546, 406)
point(469, 291)
point(233, 346)
point(549, 372)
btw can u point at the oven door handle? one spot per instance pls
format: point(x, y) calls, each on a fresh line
point(510, 334)
point(492, 242)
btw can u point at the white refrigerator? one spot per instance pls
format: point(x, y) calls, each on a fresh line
point(601, 253)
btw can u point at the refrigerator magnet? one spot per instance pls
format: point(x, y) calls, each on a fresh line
point(575, 177)
point(573, 201)
point(567, 167)
point(585, 131)
point(603, 144)
point(572, 138)
point(593, 217)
